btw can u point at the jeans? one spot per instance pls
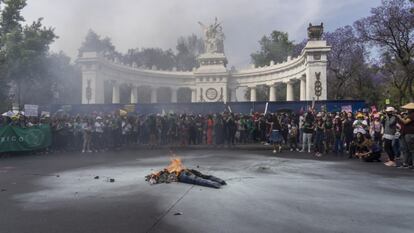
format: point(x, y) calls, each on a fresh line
point(197, 178)
point(319, 141)
point(388, 148)
point(339, 145)
point(396, 147)
point(307, 139)
point(407, 154)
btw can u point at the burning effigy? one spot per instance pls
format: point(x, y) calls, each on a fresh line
point(177, 172)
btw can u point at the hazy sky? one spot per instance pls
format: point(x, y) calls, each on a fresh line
point(158, 23)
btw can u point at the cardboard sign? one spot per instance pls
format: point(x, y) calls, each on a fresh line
point(31, 110)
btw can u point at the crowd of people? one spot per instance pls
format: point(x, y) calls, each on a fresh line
point(364, 135)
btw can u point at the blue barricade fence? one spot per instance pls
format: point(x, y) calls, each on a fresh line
point(206, 108)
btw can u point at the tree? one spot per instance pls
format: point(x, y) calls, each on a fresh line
point(394, 77)
point(188, 49)
point(23, 49)
point(390, 27)
point(149, 57)
point(345, 62)
point(63, 78)
point(94, 43)
point(276, 47)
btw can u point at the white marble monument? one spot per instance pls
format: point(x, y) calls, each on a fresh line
point(211, 81)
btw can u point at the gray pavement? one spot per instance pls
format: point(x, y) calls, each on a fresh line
point(290, 192)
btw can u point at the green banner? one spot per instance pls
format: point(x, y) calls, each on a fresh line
point(14, 138)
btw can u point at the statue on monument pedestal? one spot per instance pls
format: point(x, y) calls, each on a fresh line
point(213, 37)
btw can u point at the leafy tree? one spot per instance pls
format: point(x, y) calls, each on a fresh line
point(346, 61)
point(390, 27)
point(64, 79)
point(93, 42)
point(188, 49)
point(23, 49)
point(149, 57)
point(276, 47)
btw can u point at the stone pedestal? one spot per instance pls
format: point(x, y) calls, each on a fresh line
point(212, 78)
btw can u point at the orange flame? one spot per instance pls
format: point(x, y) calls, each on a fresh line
point(175, 166)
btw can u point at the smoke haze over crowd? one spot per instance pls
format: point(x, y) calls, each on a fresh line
point(132, 24)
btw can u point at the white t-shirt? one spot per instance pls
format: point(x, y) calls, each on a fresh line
point(360, 126)
point(98, 127)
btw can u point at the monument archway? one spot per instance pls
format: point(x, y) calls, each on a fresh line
point(211, 81)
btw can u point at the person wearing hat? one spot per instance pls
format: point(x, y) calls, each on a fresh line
point(407, 134)
point(390, 128)
point(360, 125)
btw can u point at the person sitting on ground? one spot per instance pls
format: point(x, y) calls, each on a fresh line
point(366, 150)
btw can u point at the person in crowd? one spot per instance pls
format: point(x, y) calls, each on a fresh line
point(301, 122)
point(360, 125)
point(376, 129)
point(210, 128)
point(407, 134)
point(366, 150)
point(319, 135)
point(338, 135)
point(308, 129)
point(87, 135)
point(390, 128)
point(329, 133)
point(293, 136)
point(77, 134)
point(276, 137)
point(348, 130)
point(98, 138)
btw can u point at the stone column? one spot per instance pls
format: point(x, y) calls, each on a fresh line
point(174, 95)
point(193, 95)
point(154, 95)
point(134, 94)
point(233, 97)
point(303, 88)
point(289, 91)
point(115, 93)
point(253, 94)
point(272, 92)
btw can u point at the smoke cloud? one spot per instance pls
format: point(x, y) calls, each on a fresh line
point(132, 23)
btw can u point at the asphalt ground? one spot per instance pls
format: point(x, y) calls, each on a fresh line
point(287, 192)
